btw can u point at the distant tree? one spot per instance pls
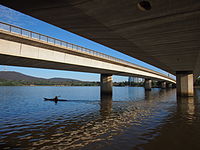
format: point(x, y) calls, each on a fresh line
point(197, 82)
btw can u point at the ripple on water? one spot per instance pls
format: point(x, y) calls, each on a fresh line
point(131, 122)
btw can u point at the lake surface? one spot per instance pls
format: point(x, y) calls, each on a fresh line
point(134, 119)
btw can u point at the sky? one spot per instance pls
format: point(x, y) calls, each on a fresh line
point(13, 17)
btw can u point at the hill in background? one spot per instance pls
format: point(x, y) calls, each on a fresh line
point(16, 78)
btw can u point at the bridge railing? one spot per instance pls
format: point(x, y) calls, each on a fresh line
point(57, 42)
point(41, 37)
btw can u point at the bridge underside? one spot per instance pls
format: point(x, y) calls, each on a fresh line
point(167, 36)
point(34, 63)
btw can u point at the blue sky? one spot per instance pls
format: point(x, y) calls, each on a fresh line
point(16, 18)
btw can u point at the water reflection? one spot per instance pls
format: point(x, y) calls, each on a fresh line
point(136, 93)
point(186, 107)
point(157, 93)
point(138, 120)
point(105, 104)
point(180, 129)
point(148, 94)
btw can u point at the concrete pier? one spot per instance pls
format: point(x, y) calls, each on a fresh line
point(106, 84)
point(184, 83)
point(169, 85)
point(147, 84)
point(163, 85)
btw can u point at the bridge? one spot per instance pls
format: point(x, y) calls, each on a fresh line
point(166, 34)
point(21, 47)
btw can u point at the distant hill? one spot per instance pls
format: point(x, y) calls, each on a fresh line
point(63, 80)
point(11, 78)
point(16, 76)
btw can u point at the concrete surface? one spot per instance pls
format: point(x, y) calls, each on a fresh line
point(167, 36)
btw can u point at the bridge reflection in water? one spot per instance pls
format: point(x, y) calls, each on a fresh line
point(105, 104)
point(178, 130)
point(186, 106)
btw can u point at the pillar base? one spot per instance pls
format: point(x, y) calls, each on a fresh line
point(148, 85)
point(169, 85)
point(163, 85)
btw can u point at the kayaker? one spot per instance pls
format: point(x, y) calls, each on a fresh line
point(56, 98)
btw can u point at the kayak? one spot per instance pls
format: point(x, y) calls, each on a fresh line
point(52, 99)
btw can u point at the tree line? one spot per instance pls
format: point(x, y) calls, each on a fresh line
point(197, 82)
point(46, 83)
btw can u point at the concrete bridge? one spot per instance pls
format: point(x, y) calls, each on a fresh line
point(21, 47)
point(166, 34)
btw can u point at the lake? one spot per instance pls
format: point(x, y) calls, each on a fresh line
point(134, 119)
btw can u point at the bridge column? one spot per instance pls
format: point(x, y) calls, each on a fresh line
point(106, 84)
point(147, 84)
point(163, 85)
point(184, 83)
point(169, 85)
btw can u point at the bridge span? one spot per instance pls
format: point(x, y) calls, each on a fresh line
point(166, 35)
point(21, 47)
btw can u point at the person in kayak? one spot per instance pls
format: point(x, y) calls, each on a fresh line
point(56, 98)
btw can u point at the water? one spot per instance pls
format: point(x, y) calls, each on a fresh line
point(132, 120)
